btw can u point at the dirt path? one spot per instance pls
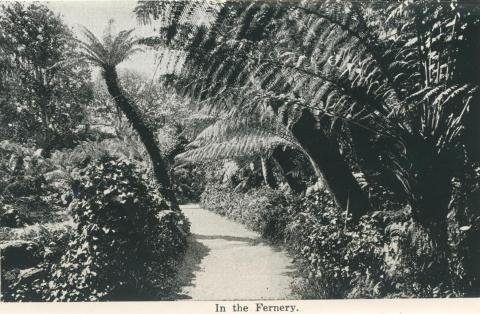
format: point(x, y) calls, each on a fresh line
point(225, 261)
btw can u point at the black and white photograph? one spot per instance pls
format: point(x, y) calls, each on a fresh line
point(226, 150)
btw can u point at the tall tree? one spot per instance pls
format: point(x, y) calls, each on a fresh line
point(107, 54)
point(43, 90)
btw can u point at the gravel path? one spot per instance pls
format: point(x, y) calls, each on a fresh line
point(226, 261)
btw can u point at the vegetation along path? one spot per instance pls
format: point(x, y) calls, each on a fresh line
point(225, 261)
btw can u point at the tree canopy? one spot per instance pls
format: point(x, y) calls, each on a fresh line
point(46, 89)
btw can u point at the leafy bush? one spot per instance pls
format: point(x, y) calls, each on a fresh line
point(53, 243)
point(385, 254)
point(262, 209)
point(336, 254)
point(23, 184)
point(126, 244)
point(53, 239)
point(189, 183)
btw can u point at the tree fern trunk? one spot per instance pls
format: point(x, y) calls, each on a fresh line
point(267, 173)
point(335, 172)
point(145, 134)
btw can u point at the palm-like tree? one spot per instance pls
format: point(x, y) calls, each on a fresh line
point(107, 54)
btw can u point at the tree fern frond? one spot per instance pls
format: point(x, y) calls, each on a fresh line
point(246, 146)
point(112, 51)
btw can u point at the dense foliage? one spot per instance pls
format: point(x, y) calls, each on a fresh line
point(24, 186)
point(263, 210)
point(126, 243)
point(45, 90)
point(78, 196)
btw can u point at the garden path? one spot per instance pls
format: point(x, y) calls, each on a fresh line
point(226, 261)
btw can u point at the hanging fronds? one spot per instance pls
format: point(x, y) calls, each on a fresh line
point(110, 51)
point(234, 138)
point(392, 68)
point(236, 147)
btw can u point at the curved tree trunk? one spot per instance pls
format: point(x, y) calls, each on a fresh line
point(334, 171)
point(146, 136)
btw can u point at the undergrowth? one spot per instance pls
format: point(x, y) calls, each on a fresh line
point(126, 245)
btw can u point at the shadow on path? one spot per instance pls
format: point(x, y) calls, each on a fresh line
point(191, 263)
point(226, 261)
point(250, 241)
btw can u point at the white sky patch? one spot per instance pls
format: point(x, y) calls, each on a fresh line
point(95, 15)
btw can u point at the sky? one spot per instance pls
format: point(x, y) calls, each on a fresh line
point(95, 14)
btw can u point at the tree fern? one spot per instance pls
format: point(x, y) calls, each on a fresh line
point(233, 138)
point(237, 147)
point(387, 67)
point(107, 54)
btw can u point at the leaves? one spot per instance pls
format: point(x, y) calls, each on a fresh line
point(236, 137)
point(113, 50)
point(42, 88)
point(117, 245)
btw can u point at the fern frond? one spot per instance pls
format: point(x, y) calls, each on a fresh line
point(245, 146)
point(110, 52)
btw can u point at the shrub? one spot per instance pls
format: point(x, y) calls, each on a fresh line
point(189, 183)
point(262, 210)
point(126, 243)
point(335, 253)
point(385, 254)
point(53, 242)
point(23, 183)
